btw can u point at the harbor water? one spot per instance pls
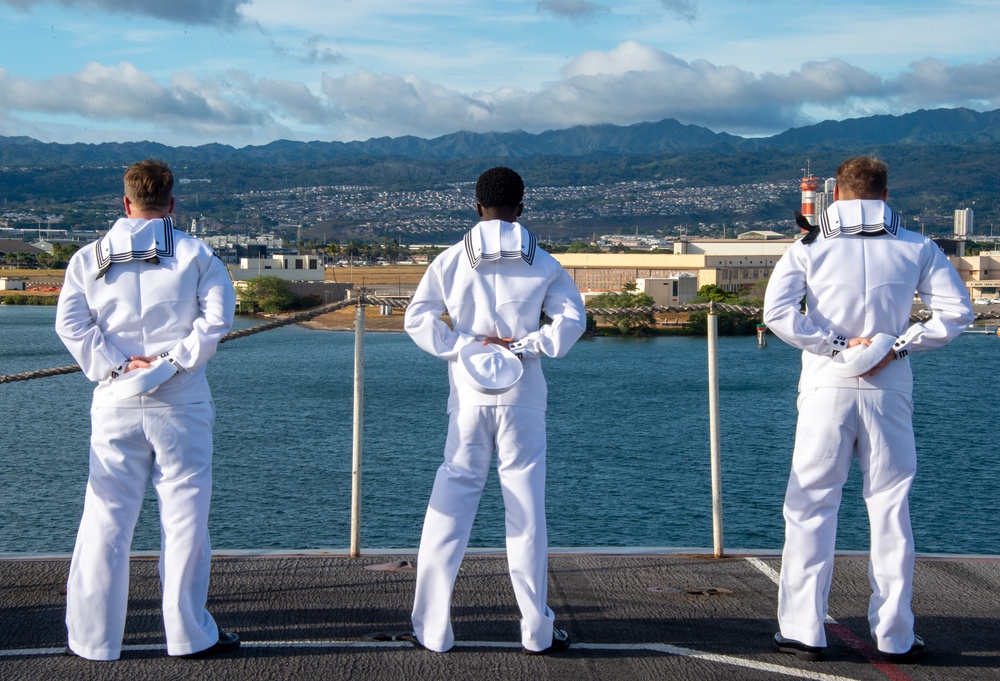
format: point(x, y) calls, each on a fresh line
point(628, 444)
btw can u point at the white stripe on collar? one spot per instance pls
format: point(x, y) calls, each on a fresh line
point(131, 239)
point(858, 216)
point(498, 240)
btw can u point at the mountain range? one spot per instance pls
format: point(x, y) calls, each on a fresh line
point(925, 127)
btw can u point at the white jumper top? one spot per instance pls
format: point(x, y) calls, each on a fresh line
point(180, 307)
point(859, 280)
point(495, 283)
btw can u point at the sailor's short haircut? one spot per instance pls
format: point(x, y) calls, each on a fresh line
point(500, 188)
point(149, 184)
point(862, 177)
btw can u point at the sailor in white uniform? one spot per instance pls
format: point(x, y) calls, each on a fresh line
point(494, 286)
point(142, 310)
point(858, 271)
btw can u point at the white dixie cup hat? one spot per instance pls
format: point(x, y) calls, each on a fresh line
point(490, 369)
point(860, 359)
point(139, 381)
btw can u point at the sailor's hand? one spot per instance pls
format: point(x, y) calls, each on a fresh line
point(891, 355)
point(858, 341)
point(502, 342)
point(138, 362)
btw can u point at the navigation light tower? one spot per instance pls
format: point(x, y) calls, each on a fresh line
point(809, 185)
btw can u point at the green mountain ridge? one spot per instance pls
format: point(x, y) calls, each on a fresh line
point(924, 127)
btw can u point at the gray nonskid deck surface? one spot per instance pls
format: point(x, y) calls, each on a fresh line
point(630, 617)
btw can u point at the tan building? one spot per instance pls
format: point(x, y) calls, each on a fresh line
point(730, 264)
point(980, 273)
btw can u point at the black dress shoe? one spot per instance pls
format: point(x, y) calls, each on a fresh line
point(404, 636)
point(225, 644)
point(916, 651)
point(560, 641)
point(797, 648)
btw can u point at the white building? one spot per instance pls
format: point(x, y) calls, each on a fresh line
point(963, 222)
point(669, 291)
point(8, 284)
point(297, 267)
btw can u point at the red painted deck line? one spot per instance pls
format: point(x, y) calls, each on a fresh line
point(872, 655)
point(852, 640)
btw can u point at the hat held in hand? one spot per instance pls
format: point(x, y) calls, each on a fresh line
point(490, 369)
point(140, 381)
point(860, 359)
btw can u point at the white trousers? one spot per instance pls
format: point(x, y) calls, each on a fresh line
point(517, 436)
point(128, 447)
point(834, 425)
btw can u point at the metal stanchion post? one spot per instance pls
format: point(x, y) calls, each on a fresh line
point(359, 408)
point(713, 416)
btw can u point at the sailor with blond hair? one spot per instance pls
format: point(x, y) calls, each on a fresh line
point(142, 310)
point(857, 271)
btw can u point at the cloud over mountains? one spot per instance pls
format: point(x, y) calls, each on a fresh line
point(590, 89)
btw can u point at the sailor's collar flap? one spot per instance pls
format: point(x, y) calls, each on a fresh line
point(858, 216)
point(498, 240)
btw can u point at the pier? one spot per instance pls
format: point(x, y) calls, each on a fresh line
point(645, 614)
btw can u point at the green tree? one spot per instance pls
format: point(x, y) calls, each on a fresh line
point(583, 247)
point(730, 323)
point(712, 293)
point(268, 294)
point(753, 296)
point(628, 321)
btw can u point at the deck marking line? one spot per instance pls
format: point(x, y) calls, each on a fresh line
point(852, 640)
point(715, 657)
point(768, 571)
point(650, 647)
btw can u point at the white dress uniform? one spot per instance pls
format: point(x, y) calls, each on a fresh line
point(144, 290)
point(858, 278)
point(494, 283)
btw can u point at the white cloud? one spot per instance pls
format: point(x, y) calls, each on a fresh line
point(294, 100)
point(930, 82)
point(118, 93)
point(628, 56)
point(627, 84)
point(656, 85)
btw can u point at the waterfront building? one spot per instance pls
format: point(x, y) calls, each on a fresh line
point(730, 264)
point(760, 235)
point(669, 291)
point(294, 267)
point(8, 284)
point(633, 241)
point(14, 249)
point(980, 274)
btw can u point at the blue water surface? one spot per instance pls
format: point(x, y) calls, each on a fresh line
point(628, 444)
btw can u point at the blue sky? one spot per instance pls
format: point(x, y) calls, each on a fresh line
point(247, 72)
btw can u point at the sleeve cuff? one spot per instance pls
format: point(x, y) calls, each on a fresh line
point(838, 343)
point(173, 360)
point(119, 370)
point(899, 348)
